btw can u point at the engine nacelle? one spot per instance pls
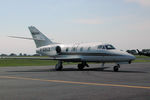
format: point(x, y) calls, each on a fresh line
point(50, 50)
point(58, 49)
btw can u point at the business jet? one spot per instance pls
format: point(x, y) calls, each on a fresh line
point(78, 52)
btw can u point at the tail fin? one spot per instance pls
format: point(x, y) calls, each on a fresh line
point(39, 38)
point(139, 52)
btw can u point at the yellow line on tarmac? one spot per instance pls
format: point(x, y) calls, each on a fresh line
point(72, 82)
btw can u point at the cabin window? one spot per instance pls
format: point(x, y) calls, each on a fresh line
point(67, 49)
point(47, 49)
point(81, 49)
point(40, 50)
point(73, 49)
point(37, 51)
point(89, 48)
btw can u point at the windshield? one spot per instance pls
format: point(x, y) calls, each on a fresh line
point(100, 47)
point(109, 47)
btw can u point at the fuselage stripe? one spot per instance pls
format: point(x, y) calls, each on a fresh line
point(89, 54)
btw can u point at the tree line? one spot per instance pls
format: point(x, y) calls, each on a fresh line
point(21, 54)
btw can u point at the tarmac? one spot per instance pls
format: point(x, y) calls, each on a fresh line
point(132, 82)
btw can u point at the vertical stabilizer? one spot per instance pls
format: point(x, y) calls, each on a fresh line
point(39, 38)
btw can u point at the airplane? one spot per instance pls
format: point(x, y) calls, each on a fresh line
point(143, 53)
point(77, 52)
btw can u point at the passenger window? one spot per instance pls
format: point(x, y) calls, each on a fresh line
point(37, 51)
point(46, 49)
point(40, 50)
point(89, 48)
point(73, 49)
point(67, 49)
point(81, 49)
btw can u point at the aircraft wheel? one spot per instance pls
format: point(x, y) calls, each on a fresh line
point(116, 68)
point(58, 67)
point(80, 66)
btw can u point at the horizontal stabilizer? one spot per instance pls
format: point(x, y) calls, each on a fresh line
point(26, 38)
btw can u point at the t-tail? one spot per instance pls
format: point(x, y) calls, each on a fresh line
point(39, 38)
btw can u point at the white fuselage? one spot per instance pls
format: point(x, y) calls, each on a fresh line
point(88, 52)
point(78, 52)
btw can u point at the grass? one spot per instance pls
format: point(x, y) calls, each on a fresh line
point(136, 61)
point(32, 62)
point(142, 59)
point(28, 62)
point(137, 56)
point(25, 62)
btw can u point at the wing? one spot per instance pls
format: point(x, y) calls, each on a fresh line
point(69, 59)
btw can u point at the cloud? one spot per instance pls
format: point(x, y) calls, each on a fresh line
point(88, 21)
point(144, 3)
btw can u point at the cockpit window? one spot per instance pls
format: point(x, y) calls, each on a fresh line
point(100, 47)
point(109, 47)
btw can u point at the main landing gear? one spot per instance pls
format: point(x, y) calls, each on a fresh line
point(116, 68)
point(59, 66)
point(82, 65)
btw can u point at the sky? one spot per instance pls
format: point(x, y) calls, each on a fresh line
point(123, 23)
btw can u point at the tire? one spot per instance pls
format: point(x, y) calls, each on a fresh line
point(80, 66)
point(116, 68)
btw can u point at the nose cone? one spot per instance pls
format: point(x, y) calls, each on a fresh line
point(131, 57)
point(126, 56)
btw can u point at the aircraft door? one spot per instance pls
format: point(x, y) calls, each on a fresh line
point(101, 52)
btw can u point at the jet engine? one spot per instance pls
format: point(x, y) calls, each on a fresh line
point(58, 49)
